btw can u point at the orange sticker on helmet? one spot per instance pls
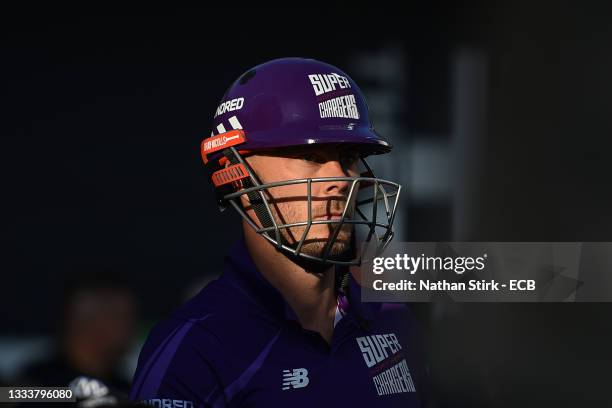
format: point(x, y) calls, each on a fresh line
point(221, 141)
point(229, 174)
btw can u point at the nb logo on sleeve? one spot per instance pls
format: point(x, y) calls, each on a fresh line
point(296, 378)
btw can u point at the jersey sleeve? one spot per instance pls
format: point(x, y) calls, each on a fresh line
point(175, 368)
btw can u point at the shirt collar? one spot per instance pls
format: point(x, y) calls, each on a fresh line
point(367, 310)
point(241, 271)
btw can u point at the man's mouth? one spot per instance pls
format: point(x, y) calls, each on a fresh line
point(331, 217)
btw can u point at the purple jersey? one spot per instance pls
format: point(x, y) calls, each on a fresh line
point(238, 343)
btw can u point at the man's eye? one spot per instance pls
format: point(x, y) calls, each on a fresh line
point(349, 158)
point(311, 157)
point(346, 159)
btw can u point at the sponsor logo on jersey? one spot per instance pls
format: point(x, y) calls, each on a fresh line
point(340, 107)
point(383, 355)
point(229, 106)
point(394, 380)
point(296, 378)
point(168, 403)
point(377, 347)
point(323, 83)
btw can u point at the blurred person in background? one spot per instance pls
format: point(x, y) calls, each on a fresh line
point(95, 330)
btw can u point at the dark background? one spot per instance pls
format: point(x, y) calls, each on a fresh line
point(103, 111)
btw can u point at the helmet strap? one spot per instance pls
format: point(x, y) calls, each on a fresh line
point(261, 211)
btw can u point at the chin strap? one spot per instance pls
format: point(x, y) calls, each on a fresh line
point(255, 199)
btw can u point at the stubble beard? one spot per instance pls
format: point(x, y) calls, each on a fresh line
point(316, 241)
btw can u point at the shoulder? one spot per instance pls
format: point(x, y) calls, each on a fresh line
point(224, 317)
point(398, 320)
point(172, 358)
point(201, 349)
point(401, 312)
point(400, 317)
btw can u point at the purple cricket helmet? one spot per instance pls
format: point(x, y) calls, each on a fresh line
point(297, 102)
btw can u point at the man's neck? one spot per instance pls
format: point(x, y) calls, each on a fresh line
point(310, 294)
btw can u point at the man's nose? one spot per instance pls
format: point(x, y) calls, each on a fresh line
point(333, 168)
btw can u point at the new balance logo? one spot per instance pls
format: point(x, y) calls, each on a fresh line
point(298, 378)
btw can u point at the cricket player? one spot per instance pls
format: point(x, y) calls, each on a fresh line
point(284, 325)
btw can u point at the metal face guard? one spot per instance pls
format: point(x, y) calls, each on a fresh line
point(366, 210)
